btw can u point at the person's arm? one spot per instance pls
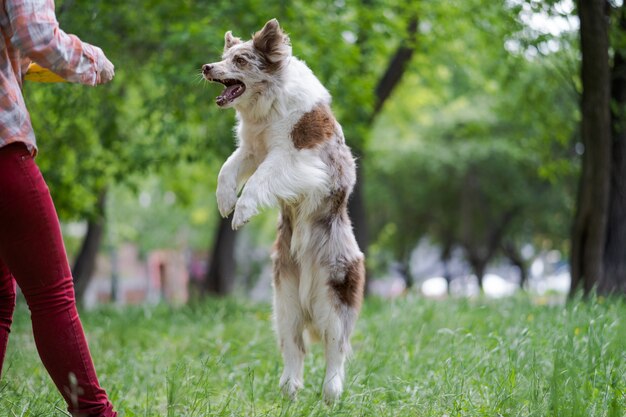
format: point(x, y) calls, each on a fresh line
point(37, 35)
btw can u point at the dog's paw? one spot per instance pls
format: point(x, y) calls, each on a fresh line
point(290, 386)
point(226, 200)
point(243, 212)
point(333, 389)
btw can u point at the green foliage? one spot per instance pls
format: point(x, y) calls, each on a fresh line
point(457, 358)
point(469, 103)
point(155, 216)
point(479, 130)
point(158, 112)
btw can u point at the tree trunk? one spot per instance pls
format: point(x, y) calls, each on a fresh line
point(220, 278)
point(480, 238)
point(396, 68)
point(385, 86)
point(85, 263)
point(404, 268)
point(479, 267)
point(614, 279)
point(514, 255)
point(446, 256)
point(356, 209)
point(589, 230)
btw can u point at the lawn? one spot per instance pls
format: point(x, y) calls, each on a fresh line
point(412, 357)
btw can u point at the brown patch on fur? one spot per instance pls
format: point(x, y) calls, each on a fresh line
point(283, 262)
point(337, 203)
point(273, 45)
point(313, 128)
point(338, 200)
point(349, 291)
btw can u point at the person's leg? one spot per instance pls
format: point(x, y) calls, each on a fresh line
point(32, 247)
point(7, 304)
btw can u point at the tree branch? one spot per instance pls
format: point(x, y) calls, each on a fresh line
point(396, 69)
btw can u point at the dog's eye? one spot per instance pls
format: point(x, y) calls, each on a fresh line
point(240, 61)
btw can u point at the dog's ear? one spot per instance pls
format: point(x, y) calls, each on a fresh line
point(272, 42)
point(230, 40)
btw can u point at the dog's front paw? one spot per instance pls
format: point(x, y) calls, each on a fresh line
point(226, 200)
point(244, 210)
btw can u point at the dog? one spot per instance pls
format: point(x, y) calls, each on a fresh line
point(292, 153)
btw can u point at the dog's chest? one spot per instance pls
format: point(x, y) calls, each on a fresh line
point(254, 139)
point(260, 138)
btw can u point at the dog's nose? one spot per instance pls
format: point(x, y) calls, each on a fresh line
point(206, 68)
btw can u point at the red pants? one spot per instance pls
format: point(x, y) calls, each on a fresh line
point(33, 255)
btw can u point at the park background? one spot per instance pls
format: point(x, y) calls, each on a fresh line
point(490, 204)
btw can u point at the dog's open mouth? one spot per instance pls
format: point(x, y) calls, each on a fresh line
point(234, 88)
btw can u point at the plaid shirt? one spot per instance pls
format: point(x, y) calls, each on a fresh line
point(29, 31)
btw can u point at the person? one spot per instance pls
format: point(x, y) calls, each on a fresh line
point(32, 253)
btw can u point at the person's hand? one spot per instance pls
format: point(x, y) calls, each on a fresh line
point(107, 72)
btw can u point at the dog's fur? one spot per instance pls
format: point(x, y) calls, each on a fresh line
point(292, 153)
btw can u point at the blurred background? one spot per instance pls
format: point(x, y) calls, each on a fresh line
point(465, 117)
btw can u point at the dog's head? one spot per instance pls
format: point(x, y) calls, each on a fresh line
point(247, 67)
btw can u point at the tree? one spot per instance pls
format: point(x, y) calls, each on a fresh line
point(589, 236)
point(85, 263)
point(476, 150)
point(614, 278)
point(220, 276)
point(479, 193)
point(145, 120)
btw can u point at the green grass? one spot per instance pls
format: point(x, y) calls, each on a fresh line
point(412, 357)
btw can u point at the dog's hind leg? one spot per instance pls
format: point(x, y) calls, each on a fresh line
point(289, 328)
point(339, 315)
point(335, 323)
point(336, 349)
point(288, 314)
point(328, 322)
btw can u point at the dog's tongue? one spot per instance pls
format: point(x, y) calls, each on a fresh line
point(230, 93)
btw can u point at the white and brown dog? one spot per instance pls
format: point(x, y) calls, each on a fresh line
point(292, 153)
